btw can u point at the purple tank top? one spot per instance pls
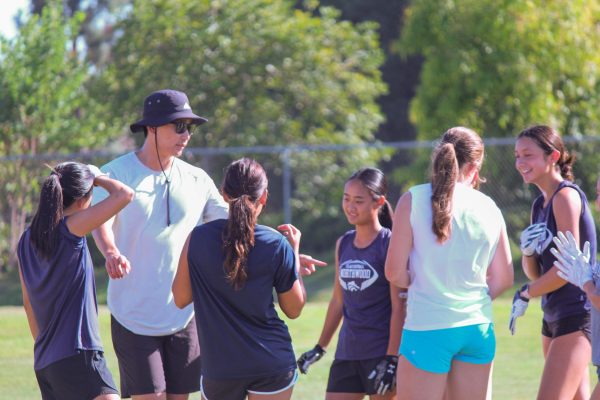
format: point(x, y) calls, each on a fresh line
point(367, 307)
point(62, 293)
point(569, 299)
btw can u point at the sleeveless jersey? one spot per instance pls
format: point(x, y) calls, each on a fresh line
point(367, 306)
point(569, 299)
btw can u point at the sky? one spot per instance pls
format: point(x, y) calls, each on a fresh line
point(8, 8)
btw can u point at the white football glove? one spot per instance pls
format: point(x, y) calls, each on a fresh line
point(573, 265)
point(519, 306)
point(533, 239)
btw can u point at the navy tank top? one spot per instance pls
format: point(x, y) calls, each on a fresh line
point(367, 306)
point(62, 292)
point(569, 299)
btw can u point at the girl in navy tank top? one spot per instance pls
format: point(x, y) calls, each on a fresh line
point(57, 280)
point(542, 160)
point(369, 308)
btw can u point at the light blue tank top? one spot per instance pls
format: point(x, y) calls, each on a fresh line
point(448, 281)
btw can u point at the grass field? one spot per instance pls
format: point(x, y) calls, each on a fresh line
point(517, 368)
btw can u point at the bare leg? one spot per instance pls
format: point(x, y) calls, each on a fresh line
point(150, 396)
point(386, 396)
point(344, 396)
point(596, 392)
point(413, 383)
point(108, 397)
point(171, 396)
point(468, 381)
point(567, 359)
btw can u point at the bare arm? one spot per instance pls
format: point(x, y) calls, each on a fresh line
point(396, 321)
point(292, 302)
point(530, 265)
point(182, 285)
point(401, 242)
point(500, 273)
point(566, 206)
point(33, 327)
point(119, 195)
point(335, 308)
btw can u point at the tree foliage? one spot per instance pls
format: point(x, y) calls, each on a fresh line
point(264, 74)
point(44, 108)
point(500, 65)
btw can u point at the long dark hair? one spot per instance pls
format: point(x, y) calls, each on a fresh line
point(67, 183)
point(549, 140)
point(459, 147)
point(375, 182)
point(244, 183)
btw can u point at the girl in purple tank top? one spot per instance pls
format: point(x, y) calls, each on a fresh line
point(542, 160)
point(57, 280)
point(371, 310)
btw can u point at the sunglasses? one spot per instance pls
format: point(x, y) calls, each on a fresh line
point(182, 127)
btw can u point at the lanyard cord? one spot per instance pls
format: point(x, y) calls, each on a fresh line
point(167, 178)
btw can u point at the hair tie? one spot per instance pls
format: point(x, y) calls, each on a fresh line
point(53, 171)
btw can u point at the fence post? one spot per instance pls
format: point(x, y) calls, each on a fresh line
point(287, 185)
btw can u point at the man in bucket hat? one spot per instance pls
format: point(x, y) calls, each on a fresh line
point(156, 343)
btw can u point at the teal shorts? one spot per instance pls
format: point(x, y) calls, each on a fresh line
point(434, 350)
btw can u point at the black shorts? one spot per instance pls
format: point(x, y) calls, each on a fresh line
point(570, 324)
point(83, 376)
point(351, 376)
point(238, 389)
point(157, 364)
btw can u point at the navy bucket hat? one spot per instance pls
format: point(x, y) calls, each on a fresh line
point(163, 107)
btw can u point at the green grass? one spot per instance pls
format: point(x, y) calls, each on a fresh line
point(517, 368)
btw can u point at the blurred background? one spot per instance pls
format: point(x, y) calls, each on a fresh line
point(312, 89)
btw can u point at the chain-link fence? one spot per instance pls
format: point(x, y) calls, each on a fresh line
point(321, 221)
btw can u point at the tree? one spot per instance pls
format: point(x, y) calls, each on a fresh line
point(264, 74)
point(500, 65)
point(97, 27)
point(44, 108)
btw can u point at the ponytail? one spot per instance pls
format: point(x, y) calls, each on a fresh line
point(244, 183)
point(386, 215)
point(238, 239)
point(67, 183)
point(44, 235)
point(443, 179)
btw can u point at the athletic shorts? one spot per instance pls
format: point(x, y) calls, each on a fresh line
point(351, 376)
point(83, 376)
point(238, 389)
point(434, 350)
point(564, 326)
point(157, 364)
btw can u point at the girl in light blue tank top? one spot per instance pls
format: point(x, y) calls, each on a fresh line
point(449, 247)
point(57, 280)
point(369, 308)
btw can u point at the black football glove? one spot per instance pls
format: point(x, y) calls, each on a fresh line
point(310, 357)
point(384, 374)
